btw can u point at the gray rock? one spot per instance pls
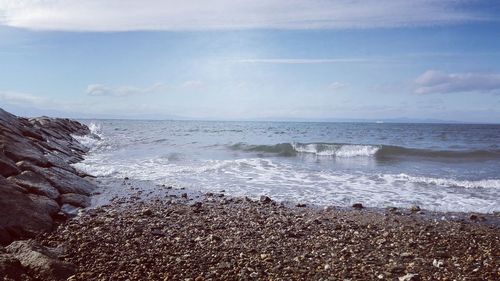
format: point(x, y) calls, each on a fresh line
point(61, 161)
point(69, 210)
point(35, 183)
point(10, 267)
point(77, 200)
point(18, 148)
point(415, 208)
point(20, 215)
point(45, 204)
point(5, 237)
point(43, 261)
point(7, 166)
point(265, 199)
point(62, 180)
point(357, 206)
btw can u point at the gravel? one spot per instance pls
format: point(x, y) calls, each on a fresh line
point(222, 238)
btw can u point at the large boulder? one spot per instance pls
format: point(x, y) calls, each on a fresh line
point(35, 183)
point(21, 215)
point(45, 204)
point(77, 200)
point(64, 181)
point(11, 268)
point(17, 148)
point(7, 166)
point(61, 161)
point(41, 262)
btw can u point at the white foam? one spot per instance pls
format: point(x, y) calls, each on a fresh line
point(337, 150)
point(489, 183)
point(285, 182)
point(90, 140)
point(95, 129)
point(356, 150)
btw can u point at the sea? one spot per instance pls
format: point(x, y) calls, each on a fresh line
point(439, 167)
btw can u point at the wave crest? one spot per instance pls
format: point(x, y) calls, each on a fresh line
point(93, 139)
point(381, 152)
point(319, 149)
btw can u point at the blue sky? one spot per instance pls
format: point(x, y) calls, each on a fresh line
point(310, 60)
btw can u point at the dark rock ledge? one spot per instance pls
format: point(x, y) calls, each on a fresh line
point(37, 187)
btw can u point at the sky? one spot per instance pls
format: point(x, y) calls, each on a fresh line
point(252, 60)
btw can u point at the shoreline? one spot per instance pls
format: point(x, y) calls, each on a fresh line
point(221, 237)
point(133, 190)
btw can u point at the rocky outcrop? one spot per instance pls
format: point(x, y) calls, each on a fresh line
point(36, 178)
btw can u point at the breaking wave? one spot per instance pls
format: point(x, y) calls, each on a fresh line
point(93, 139)
point(361, 150)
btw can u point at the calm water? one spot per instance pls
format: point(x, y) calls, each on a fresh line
point(436, 166)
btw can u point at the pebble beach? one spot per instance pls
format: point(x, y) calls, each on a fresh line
point(221, 238)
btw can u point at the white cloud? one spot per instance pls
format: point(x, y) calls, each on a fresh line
point(433, 81)
point(20, 98)
point(124, 91)
point(29, 100)
point(337, 86)
point(126, 15)
point(192, 85)
point(84, 107)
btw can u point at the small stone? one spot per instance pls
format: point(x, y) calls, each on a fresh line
point(224, 265)
point(415, 208)
point(328, 208)
point(196, 205)
point(157, 232)
point(437, 263)
point(406, 255)
point(443, 255)
point(357, 206)
point(300, 205)
point(397, 268)
point(147, 212)
point(265, 199)
point(473, 217)
point(184, 195)
point(409, 277)
point(126, 178)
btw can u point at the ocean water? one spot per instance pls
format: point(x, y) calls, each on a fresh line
point(441, 167)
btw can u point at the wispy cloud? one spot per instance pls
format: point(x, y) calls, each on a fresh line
point(83, 107)
point(126, 15)
point(30, 100)
point(306, 61)
point(123, 91)
point(192, 85)
point(20, 98)
point(433, 81)
point(337, 86)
